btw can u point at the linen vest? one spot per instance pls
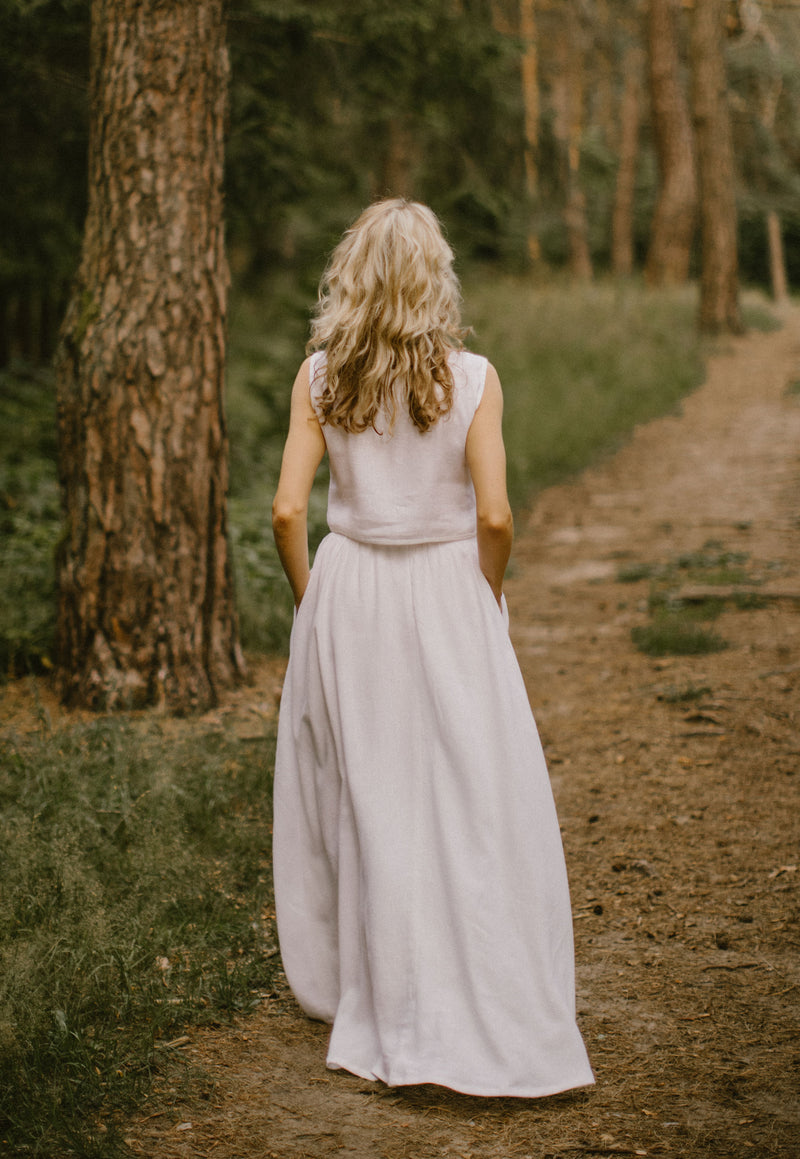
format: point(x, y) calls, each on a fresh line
point(403, 485)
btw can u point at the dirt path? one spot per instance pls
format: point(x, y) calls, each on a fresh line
point(677, 781)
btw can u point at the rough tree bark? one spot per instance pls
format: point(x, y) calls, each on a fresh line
point(146, 612)
point(719, 278)
point(674, 219)
point(630, 118)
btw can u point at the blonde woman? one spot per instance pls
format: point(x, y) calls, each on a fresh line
point(421, 893)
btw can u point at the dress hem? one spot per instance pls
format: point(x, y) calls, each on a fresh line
point(465, 1088)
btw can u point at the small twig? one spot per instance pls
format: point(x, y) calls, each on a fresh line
point(740, 966)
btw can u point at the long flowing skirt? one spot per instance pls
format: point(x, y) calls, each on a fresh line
point(421, 891)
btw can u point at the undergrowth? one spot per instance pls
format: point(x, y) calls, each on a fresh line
point(580, 366)
point(135, 899)
point(676, 634)
point(674, 628)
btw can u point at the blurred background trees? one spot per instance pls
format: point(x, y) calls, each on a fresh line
point(547, 133)
point(564, 143)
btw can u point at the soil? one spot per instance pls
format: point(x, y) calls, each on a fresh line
point(677, 782)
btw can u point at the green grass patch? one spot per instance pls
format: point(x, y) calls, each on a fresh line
point(714, 565)
point(674, 633)
point(30, 519)
point(748, 601)
point(662, 602)
point(135, 900)
point(633, 573)
point(581, 366)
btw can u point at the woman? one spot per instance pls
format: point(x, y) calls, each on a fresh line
point(421, 893)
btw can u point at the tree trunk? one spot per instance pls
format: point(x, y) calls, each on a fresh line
point(719, 280)
point(568, 95)
point(146, 612)
point(397, 176)
point(777, 261)
point(630, 117)
point(674, 219)
point(529, 67)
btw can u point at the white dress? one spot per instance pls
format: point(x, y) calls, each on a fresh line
point(421, 892)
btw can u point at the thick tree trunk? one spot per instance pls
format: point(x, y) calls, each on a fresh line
point(630, 117)
point(529, 68)
point(674, 220)
point(146, 610)
point(568, 96)
point(719, 279)
point(777, 261)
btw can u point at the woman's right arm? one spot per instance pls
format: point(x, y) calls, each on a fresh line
point(486, 459)
point(305, 446)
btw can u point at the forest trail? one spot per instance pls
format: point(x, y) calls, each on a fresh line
point(677, 782)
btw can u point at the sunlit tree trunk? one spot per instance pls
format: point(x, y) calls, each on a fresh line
point(568, 97)
point(674, 220)
point(630, 117)
point(530, 98)
point(397, 175)
point(719, 280)
point(145, 592)
point(777, 260)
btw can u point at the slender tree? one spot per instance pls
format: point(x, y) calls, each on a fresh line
point(146, 609)
point(568, 92)
point(630, 118)
point(674, 220)
point(529, 70)
point(719, 281)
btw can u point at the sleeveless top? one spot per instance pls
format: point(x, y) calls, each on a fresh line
point(404, 486)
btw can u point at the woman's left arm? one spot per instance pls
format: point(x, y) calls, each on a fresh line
point(305, 446)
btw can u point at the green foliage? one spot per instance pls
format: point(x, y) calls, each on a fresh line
point(675, 634)
point(580, 366)
point(135, 900)
point(29, 519)
point(635, 572)
point(673, 630)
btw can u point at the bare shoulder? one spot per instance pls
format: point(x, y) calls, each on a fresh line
point(492, 382)
point(492, 397)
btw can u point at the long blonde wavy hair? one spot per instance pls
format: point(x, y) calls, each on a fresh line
point(388, 316)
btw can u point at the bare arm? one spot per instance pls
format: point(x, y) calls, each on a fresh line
point(486, 459)
point(305, 446)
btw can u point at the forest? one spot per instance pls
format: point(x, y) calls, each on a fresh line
point(620, 181)
point(532, 128)
point(578, 144)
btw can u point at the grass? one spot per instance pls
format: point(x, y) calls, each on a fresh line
point(135, 899)
point(676, 634)
point(674, 628)
point(580, 365)
point(135, 892)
